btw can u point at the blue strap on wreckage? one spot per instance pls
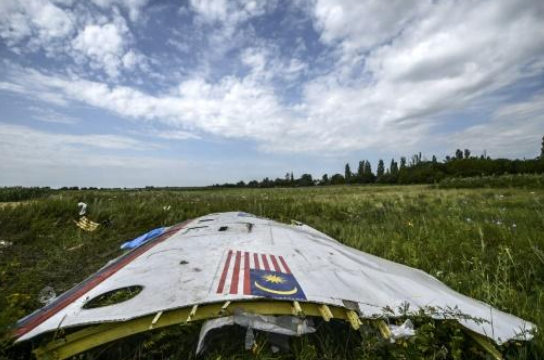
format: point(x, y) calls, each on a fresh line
point(142, 239)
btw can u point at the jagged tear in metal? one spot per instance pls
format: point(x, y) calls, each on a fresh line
point(206, 267)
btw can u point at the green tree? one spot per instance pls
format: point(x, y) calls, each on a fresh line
point(337, 179)
point(361, 168)
point(394, 167)
point(306, 180)
point(367, 175)
point(467, 153)
point(368, 168)
point(347, 172)
point(402, 162)
point(381, 169)
point(458, 154)
point(325, 180)
point(542, 150)
point(416, 159)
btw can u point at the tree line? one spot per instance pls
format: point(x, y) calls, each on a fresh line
point(415, 170)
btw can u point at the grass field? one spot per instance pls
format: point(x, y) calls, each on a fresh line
point(485, 243)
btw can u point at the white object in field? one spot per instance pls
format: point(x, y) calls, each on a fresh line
point(236, 256)
point(47, 295)
point(5, 244)
point(82, 208)
point(402, 331)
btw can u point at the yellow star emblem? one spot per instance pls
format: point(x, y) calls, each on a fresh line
point(275, 279)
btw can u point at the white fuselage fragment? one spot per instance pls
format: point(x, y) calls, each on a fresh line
point(237, 256)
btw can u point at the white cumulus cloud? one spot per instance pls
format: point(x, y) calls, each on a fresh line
point(134, 7)
point(104, 46)
point(229, 12)
point(64, 29)
point(40, 21)
point(388, 79)
point(360, 25)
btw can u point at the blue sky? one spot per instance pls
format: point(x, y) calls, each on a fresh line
point(181, 93)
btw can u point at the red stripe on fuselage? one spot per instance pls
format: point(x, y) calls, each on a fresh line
point(284, 264)
point(265, 262)
point(224, 274)
point(256, 261)
point(275, 263)
point(236, 273)
point(247, 284)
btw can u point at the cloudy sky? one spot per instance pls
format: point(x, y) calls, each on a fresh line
point(155, 92)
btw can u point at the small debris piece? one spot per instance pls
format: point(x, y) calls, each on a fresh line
point(250, 339)
point(402, 331)
point(82, 208)
point(47, 295)
point(5, 244)
point(85, 224)
point(75, 247)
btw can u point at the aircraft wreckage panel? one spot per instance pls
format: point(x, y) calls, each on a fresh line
point(236, 256)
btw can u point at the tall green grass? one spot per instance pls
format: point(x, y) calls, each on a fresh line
point(526, 181)
point(485, 243)
point(9, 194)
